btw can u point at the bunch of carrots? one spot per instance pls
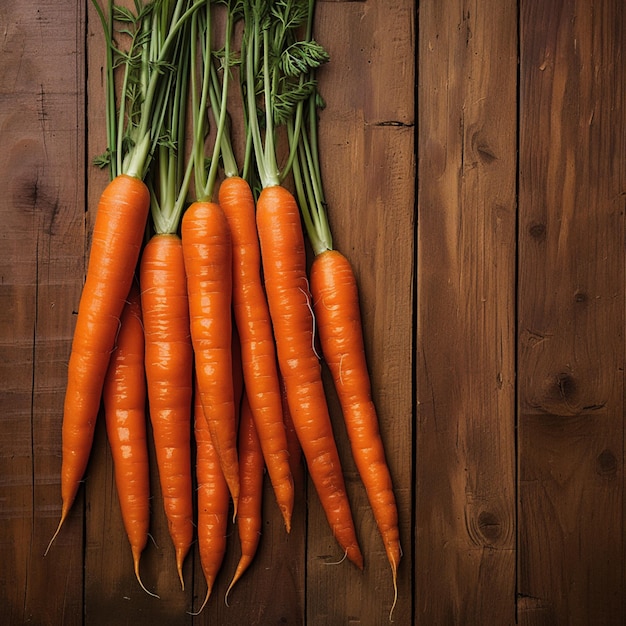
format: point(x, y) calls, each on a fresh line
point(200, 311)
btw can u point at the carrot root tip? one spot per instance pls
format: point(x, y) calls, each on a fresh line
point(56, 532)
point(242, 566)
point(340, 561)
point(206, 599)
point(137, 575)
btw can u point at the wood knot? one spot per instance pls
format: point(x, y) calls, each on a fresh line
point(566, 386)
point(537, 231)
point(486, 527)
point(489, 527)
point(606, 464)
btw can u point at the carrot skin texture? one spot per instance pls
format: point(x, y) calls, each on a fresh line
point(168, 362)
point(336, 305)
point(249, 519)
point(116, 242)
point(257, 341)
point(207, 251)
point(124, 398)
point(284, 264)
point(213, 500)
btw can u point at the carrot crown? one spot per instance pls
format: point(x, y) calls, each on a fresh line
point(276, 76)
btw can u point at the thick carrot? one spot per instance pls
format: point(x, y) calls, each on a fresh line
point(124, 397)
point(116, 242)
point(336, 305)
point(284, 265)
point(213, 501)
point(207, 251)
point(169, 362)
point(249, 519)
point(257, 341)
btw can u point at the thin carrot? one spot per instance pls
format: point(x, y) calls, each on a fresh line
point(124, 397)
point(249, 519)
point(169, 359)
point(284, 268)
point(116, 242)
point(336, 304)
point(213, 502)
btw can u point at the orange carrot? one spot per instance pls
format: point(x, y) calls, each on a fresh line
point(213, 501)
point(284, 265)
point(249, 519)
point(207, 253)
point(116, 242)
point(124, 397)
point(336, 304)
point(257, 341)
point(284, 268)
point(169, 361)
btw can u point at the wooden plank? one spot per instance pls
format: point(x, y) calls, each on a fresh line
point(571, 315)
point(367, 153)
point(465, 475)
point(41, 118)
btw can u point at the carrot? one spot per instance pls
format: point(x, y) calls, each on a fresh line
point(336, 303)
point(169, 359)
point(124, 397)
point(165, 304)
point(284, 265)
point(213, 502)
point(257, 341)
point(116, 242)
point(249, 520)
point(207, 253)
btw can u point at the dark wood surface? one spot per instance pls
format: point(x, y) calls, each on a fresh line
point(474, 155)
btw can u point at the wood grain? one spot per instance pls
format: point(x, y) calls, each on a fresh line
point(42, 167)
point(465, 476)
point(571, 314)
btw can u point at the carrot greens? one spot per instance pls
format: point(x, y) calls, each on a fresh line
point(277, 62)
point(133, 117)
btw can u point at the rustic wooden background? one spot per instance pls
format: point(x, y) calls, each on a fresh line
point(475, 162)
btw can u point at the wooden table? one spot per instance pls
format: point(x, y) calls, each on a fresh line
point(474, 159)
